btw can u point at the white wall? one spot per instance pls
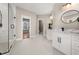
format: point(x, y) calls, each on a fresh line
point(21, 12)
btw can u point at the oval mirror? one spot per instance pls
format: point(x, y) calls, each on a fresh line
point(70, 16)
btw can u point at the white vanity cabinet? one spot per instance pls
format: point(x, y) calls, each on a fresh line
point(55, 40)
point(62, 42)
point(65, 45)
point(75, 44)
point(49, 34)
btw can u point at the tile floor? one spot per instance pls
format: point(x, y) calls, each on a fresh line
point(34, 46)
point(3, 47)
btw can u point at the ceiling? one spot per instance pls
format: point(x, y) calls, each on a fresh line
point(37, 8)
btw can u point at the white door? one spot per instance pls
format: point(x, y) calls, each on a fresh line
point(65, 45)
point(55, 40)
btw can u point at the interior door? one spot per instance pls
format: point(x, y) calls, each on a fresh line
point(25, 28)
point(40, 27)
point(65, 46)
point(56, 43)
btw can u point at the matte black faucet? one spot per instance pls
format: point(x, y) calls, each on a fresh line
point(62, 28)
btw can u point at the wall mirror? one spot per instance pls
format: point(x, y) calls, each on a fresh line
point(0, 19)
point(70, 16)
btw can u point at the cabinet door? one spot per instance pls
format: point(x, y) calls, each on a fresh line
point(55, 40)
point(49, 35)
point(75, 52)
point(65, 46)
point(75, 44)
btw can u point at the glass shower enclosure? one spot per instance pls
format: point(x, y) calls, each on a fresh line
point(7, 27)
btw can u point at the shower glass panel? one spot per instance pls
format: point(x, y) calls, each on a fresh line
point(7, 27)
point(12, 19)
point(4, 28)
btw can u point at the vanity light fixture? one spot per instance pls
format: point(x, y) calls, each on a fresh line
point(50, 22)
point(51, 17)
point(67, 4)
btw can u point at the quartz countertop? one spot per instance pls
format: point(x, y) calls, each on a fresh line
point(73, 31)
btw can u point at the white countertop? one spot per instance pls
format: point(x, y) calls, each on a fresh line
point(72, 31)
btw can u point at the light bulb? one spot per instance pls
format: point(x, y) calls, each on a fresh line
point(68, 5)
point(51, 17)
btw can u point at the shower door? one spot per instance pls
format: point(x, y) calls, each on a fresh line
point(7, 27)
point(4, 45)
point(12, 23)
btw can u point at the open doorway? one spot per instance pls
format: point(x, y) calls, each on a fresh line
point(40, 27)
point(26, 27)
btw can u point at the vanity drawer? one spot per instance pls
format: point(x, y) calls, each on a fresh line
point(75, 38)
point(75, 45)
point(75, 52)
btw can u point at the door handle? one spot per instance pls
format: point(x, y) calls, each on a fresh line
point(59, 39)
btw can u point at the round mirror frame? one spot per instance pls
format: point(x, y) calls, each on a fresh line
point(65, 13)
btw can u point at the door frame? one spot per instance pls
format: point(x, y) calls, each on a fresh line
point(27, 17)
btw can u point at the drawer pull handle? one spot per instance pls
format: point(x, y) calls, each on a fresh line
point(59, 39)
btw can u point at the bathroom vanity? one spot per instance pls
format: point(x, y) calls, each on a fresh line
point(49, 35)
point(66, 42)
point(66, 39)
point(75, 44)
